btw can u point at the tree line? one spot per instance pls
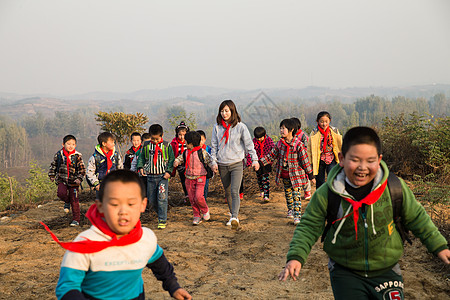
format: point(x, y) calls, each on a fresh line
point(39, 136)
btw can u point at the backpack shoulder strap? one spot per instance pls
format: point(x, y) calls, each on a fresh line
point(58, 160)
point(75, 156)
point(334, 201)
point(396, 192)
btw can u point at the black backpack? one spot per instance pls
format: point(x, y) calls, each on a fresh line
point(395, 190)
point(209, 171)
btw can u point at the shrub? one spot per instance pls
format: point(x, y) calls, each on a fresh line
point(38, 186)
point(6, 185)
point(417, 145)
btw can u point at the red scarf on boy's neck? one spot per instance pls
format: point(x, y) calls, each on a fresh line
point(287, 146)
point(299, 132)
point(226, 134)
point(261, 145)
point(368, 200)
point(89, 246)
point(178, 145)
point(204, 146)
point(108, 159)
point(189, 152)
point(157, 148)
point(136, 149)
point(67, 155)
point(326, 137)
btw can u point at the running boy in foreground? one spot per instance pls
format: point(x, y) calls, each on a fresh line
point(106, 261)
point(364, 251)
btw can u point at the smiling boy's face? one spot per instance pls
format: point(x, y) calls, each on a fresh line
point(136, 141)
point(122, 206)
point(361, 163)
point(70, 145)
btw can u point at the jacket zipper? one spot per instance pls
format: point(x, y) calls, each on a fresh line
point(366, 244)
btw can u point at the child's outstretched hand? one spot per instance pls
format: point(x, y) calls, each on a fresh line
point(215, 169)
point(166, 175)
point(444, 255)
point(181, 294)
point(292, 268)
point(255, 165)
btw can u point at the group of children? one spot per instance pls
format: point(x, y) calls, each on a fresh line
point(298, 159)
point(363, 268)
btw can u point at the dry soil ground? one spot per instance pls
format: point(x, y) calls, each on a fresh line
point(211, 261)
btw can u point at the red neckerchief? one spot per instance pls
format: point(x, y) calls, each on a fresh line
point(326, 137)
point(204, 146)
point(261, 145)
point(136, 149)
point(67, 155)
point(157, 148)
point(178, 145)
point(369, 200)
point(226, 134)
point(108, 158)
point(89, 246)
point(287, 146)
point(299, 132)
point(189, 152)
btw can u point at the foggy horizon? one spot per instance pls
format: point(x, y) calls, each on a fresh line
point(67, 48)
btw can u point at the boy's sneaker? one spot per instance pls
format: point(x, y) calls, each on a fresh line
point(66, 207)
point(74, 223)
point(266, 200)
point(229, 222)
point(296, 221)
point(241, 196)
point(162, 225)
point(261, 194)
point(307, 195)
point(207, 216)
point(290, 214)
point(197, 220)
point(234, 223)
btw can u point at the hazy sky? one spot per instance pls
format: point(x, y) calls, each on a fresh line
point(68, 47)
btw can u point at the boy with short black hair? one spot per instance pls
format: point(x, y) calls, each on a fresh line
point(104, 160)
point(67, 170)
point(196, 160)
point(107, 260)
point(293, 167)
point(156, 160)
point(363, 252)
point(136, 142)
point(263, 145)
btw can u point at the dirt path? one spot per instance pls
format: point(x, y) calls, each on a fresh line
point(211, 261)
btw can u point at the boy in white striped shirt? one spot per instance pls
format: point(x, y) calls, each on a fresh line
point(156, 159)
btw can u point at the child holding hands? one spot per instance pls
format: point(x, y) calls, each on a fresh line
point(263, 145)
point(293, 167)
point(229, 142)
point(196, 160)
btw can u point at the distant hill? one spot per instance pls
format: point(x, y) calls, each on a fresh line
point(193, 98)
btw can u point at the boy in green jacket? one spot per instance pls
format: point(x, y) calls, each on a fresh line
point(363, 250)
